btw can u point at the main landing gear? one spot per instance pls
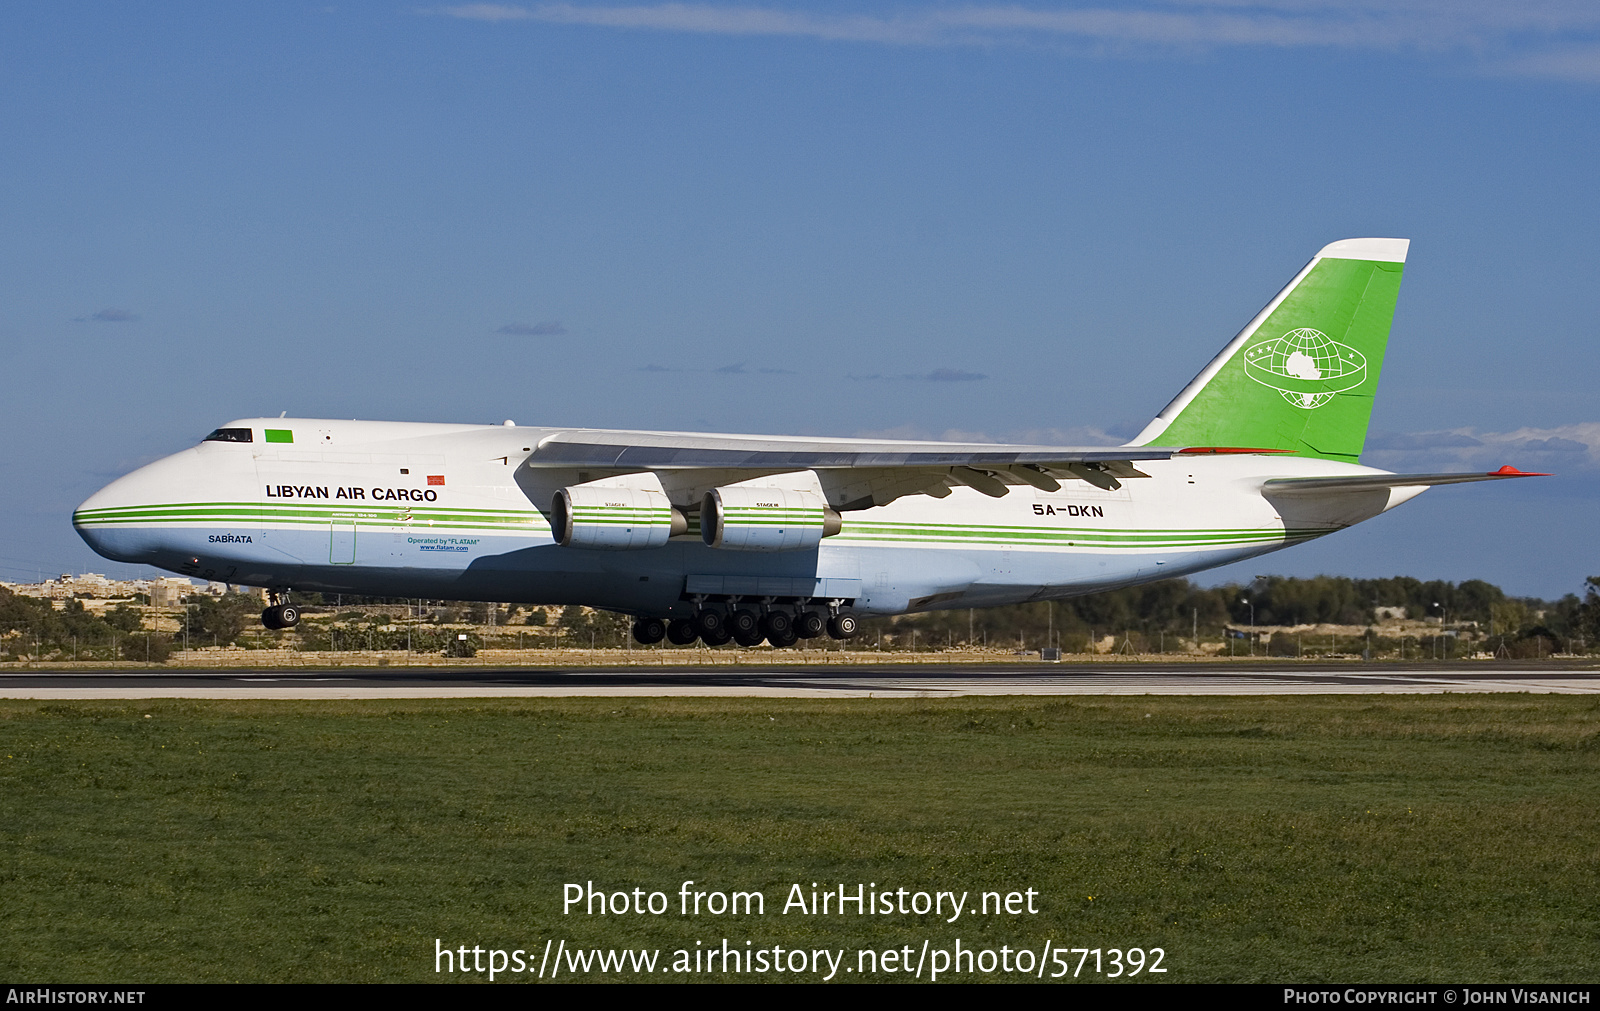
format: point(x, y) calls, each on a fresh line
point(281, 614)
point(714, 627)
point(649, 631)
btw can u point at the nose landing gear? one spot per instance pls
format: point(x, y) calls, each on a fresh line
point(281, 616)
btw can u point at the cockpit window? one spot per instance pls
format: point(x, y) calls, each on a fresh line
point(229, 435)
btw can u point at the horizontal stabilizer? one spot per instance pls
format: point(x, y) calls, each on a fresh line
point(1373, 482)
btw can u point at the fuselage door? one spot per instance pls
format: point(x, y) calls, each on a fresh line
point(342, 540)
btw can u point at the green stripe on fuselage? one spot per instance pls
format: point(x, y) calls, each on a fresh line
point(529, 521)
point(263, 512)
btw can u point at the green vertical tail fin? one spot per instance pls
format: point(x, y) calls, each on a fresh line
point(1301, 377)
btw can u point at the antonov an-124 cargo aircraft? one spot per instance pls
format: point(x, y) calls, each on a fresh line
point(752, 537)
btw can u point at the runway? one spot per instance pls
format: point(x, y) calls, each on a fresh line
point(875, 681)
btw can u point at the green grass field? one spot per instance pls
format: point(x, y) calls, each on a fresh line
point(1309, 839)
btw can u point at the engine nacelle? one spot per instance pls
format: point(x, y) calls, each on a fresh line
point(602, 515)
point(765, 519)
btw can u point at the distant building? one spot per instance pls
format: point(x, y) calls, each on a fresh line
point(169, 591)
point(164, 591)
point(67, 586)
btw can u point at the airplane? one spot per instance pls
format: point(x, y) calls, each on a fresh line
point(754, 537)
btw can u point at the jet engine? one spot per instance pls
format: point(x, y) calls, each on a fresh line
point(611, 515)
point(765, 519)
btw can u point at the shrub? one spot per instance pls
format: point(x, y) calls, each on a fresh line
point(147, 646)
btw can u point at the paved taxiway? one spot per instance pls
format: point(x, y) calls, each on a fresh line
point(876, 681)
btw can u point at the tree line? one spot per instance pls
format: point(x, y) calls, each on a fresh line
point(1146, 618)
point(32, 626)
point(1176, 609)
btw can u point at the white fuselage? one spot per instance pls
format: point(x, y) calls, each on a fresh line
point(450, 512)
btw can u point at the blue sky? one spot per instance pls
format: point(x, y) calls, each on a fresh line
point(1003, 221)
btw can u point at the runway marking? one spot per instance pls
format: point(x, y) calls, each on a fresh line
point(298, 680)
point(836, 683)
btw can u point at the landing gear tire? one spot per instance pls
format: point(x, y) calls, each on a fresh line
point(783, 641)
point(281, 616)
point(717, 638)
point(682, 631)
point(777, 625)
point(843, 625)
point(746, 628)
point(649, 631)
point(711, 624)
point(810, 624)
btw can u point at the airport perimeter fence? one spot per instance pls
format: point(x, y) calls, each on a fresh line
point(211, 658)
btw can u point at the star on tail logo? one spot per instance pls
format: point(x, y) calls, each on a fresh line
point(1305, 367)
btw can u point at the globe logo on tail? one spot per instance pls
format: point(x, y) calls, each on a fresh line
point(1305, 367)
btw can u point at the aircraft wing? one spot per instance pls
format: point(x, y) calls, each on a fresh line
point(859, 472)
point(1372, 482)
point(673, 451)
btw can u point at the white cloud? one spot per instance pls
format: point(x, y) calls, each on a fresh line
point(1580, 63)
point(547, 329)
point(710, 19)
point(1548, 38)
point(1566, 448)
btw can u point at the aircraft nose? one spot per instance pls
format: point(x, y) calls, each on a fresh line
point(122, 521)
point(108, 521)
